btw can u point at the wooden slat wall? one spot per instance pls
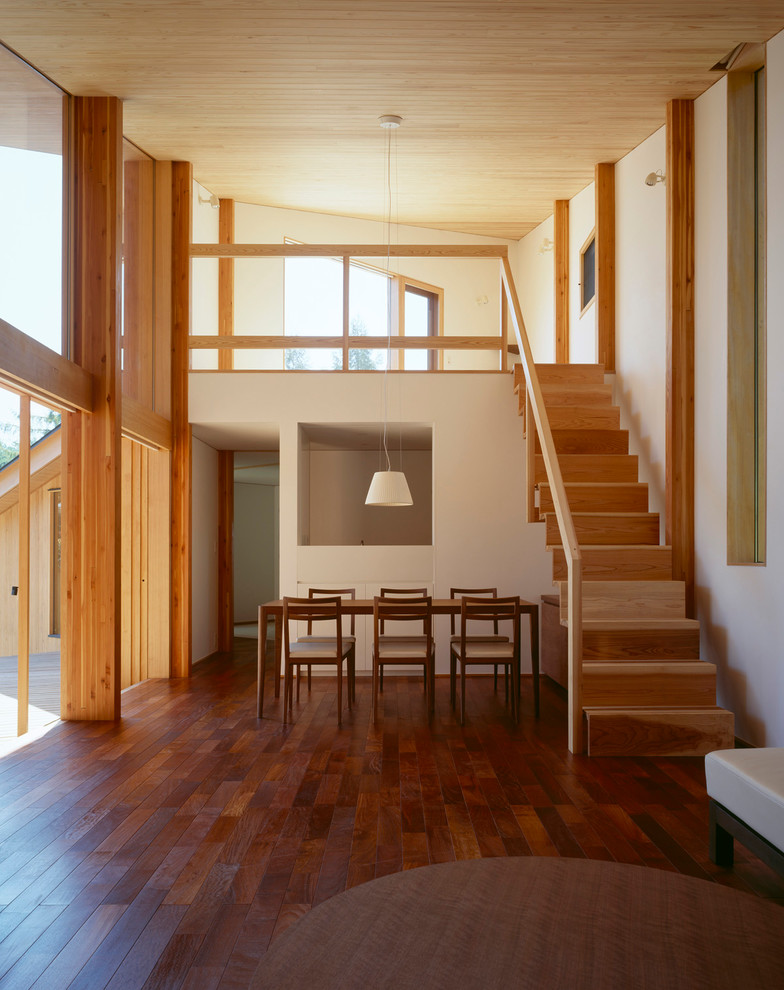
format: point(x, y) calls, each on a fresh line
point(605, 265)
point(561, 261)
point(90, 668)
point(226, 283)
point(680, 344)
point(225, 550)
point(181, 641)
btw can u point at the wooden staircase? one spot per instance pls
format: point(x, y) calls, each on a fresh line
point(645, 690)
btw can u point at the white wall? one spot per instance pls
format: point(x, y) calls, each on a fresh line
point(535, 275)
point(204, 281)
point(740, 607)
point(255, 548)
point(640, 308)
point(479, 534)
point(204, 621)
point(582, 329)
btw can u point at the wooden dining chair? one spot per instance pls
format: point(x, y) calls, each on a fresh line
point(402, 593)
point(455, 636)
point(325, 650)
point(473, 650)
point(349, 637)
point(417, 650)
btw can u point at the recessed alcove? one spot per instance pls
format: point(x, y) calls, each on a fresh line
point(336, 464)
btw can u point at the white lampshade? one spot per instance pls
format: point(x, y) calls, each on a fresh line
point(389, 488)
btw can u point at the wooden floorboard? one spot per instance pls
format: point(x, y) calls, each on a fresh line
point(168, 849)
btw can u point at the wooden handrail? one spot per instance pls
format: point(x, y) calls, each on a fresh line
point(349, 251)
point(536, 407)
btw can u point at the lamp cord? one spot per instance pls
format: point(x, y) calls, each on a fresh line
point(388, 211)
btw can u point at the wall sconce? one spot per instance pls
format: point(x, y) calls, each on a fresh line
point(212, 200)
point(653, 177)
point(545, 246)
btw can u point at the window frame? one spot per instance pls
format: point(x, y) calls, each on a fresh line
point(587, 244)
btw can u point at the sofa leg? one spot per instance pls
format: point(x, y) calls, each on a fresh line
point(722, 845)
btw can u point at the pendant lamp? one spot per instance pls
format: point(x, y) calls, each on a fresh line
point(388, 487)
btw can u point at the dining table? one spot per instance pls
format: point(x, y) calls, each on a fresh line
point(364, 606)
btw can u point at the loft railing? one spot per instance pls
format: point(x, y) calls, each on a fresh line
point(535, 408)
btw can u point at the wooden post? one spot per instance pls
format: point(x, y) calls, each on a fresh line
point(181, 636)
point(225, 550)
point(226, 283)
point(90, 664)
point(605, 264)
point(23, 593)
point(561, 259)
point(679, 523)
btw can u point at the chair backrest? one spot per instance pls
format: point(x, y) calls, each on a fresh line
point(330, 593)
point(475, 593)
point(401, 593)
point(403, 609)
point(475, 609)
point(312, 610)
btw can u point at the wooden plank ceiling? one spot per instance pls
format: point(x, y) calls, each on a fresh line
point(507, 104)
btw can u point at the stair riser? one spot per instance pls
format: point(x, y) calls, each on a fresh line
point(612, 530)
point(591, 467)
point(688, 732)
point(635, 644)
point(646, 564)
point(677, 684)
point(621, 498)
point(559, 374)
point(589, 442)
point(584, 417)
point(628, 600)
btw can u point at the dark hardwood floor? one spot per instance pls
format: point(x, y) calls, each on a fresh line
point(168, 849)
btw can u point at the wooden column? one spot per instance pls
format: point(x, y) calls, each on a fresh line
point(181, 553)
point(561, 258)
point(90, 663)
point(225, 550)
point(23, 602)
point(680, 343)
point(226, 283)
point(605, 264)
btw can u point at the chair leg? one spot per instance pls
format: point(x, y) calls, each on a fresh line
point(452, 664)
point(299, 678)
point(495, 677)
point(375, 689)
point(352, 663)
point(381, 678)
point(340, 692)
point(430, 677)
point(462, 692)
point(308, 683)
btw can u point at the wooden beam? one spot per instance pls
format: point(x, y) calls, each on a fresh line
point(225, 550)
point(200, 342)
point(163, 289)
point(138, 271)
point(605, 264)
point(145, 426)
point(679, 495)
point(47, 376)
point(226, 283)
point(90, 666)
point(23, 594)
point(181, 536)
point(353, 250)
point(561, 260)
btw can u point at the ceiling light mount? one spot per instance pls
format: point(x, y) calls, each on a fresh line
point(389, 121)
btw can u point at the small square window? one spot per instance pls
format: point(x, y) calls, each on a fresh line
point(588, 272)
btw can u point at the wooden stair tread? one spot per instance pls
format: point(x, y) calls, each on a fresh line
point(607, 528)
point(629, 599)
point(571, 373)
point(658, 730)
point(626, 625)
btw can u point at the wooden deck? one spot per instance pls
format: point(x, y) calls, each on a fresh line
point(44, 692)
point(167, 849)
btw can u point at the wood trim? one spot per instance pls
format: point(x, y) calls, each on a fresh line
point(605, 264)
point(90, 665)
point(226, 282)
point(23, 603)
point(138, 273)
point(225, 550)
point(354, 250)
point(346, 305)
point(199, 342)
point(163, 289)
point(679, 523)
point(181, 536)
point(561, 262)
point(532, 513)
point(48, 377)
point(145, 426)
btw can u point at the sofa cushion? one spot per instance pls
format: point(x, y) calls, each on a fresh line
point(750, 784)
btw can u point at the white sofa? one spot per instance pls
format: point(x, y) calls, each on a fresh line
point(746, 790)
